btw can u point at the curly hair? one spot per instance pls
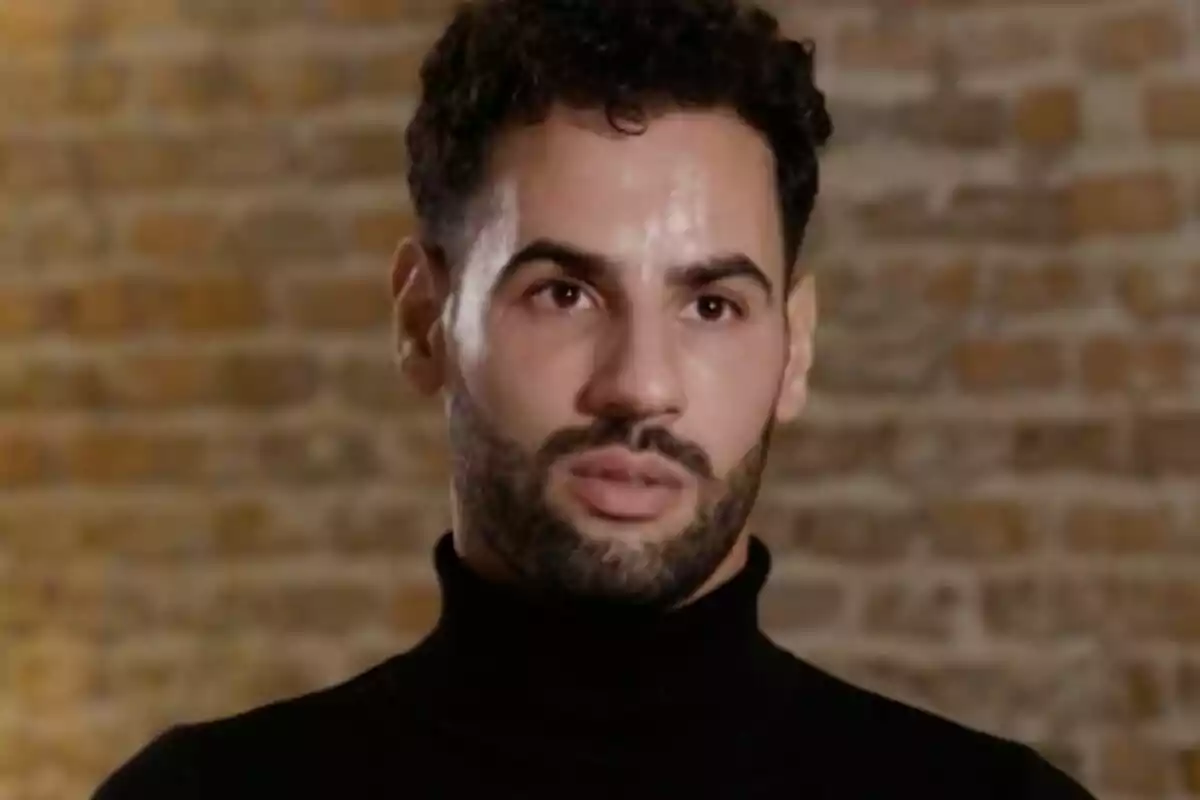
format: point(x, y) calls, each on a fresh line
point(509, 62)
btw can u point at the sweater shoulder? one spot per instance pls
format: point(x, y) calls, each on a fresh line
point(902, 741)
point(193, 760)
point(162, 768)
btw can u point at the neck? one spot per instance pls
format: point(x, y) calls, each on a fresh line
point(483, 561)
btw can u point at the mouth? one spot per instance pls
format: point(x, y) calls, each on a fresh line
point(620, 486)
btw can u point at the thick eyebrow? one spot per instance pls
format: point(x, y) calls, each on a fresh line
point(593, 267)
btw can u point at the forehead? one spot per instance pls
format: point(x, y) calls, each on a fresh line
point(693, 184)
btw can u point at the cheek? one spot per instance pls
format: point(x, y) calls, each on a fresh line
point(531, 379)
point(731, 397)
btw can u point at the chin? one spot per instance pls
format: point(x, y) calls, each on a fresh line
point(626, 532)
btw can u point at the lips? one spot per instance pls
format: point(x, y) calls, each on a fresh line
point(619, 485)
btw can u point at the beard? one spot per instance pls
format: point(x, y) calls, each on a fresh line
point(502, 493)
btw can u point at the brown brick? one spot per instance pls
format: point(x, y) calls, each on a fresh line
point(1043, 287)
point(811, 450)
point(46, 384)
point(979, 529)
point(1001, 44)
point(1189, 762)
point(1185, 680)
point(391, 74)
point(123, 457)
point(97, 87)
point(425, 459)
point(355, 154)
point(932, 454)
point(394, 529)
point(280, 234)
point(1135, 765)
point(1167, 443)
point(840, 532)
point(975, 213)
point(1005, 213)
point(36, 26)
point(1154, 292)
point(318, 605)
point(908, 609)
point(319, 455)
point(1114, 363)
point(341, 303)
point(131, 162)
point(1131, 40)
point(84, 86)
point(1117, 530)
point(233, 16)
point(954, 120)
point(213, 304)
point(1142, 608)
point(51, 673)
point(991, 365)
point(380, 231)
point(162, 380)
point(175, 237)
point(51, 599)
point(876, 47)
point(246, 155)
point(952, 286)
point(802, 604)
point(1070, 444)
point(267, 380)
point(1047, 116)
point(137, 531)
point(416, 607)
point(106, 307)
point(39, 164)
point(306, 82)
point(130, 18)
point(247, 529)
point(1125, 204)
point(1172, 111)
point(386, 12)
point(202, 84)
point(1136, 690)
point(24, 459)
point(22, 311)
point(372, 383)
point(904, 361)
point(270, 676)
point(69, 237)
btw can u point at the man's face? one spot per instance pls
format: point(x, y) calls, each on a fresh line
point(617, 347)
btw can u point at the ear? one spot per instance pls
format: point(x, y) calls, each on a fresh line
point(802, 323)
point(418, 297)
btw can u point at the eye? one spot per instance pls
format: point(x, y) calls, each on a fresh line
point(558, 295)
point(714, 308)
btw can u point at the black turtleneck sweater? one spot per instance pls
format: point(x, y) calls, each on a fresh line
point(510, 699)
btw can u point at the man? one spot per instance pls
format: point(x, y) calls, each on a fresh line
point(605, 292)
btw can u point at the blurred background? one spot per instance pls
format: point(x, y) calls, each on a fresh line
point(216, 491)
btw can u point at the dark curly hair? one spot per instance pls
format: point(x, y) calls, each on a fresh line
point(506, 62)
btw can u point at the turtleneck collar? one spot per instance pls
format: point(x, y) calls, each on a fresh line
point(525, 684)
point(493, 631)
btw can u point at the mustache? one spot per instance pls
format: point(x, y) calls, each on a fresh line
point(624, 431)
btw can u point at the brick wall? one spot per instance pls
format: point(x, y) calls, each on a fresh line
point(215, 491)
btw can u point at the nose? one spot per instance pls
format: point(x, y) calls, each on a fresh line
point(637, 373)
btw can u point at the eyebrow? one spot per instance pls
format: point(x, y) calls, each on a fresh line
point(592, 267)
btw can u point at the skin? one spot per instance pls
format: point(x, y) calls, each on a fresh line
point(653, 312)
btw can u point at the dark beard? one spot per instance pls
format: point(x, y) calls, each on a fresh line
point(501, 491)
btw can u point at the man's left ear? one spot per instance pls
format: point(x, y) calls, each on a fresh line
point(802, 323)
